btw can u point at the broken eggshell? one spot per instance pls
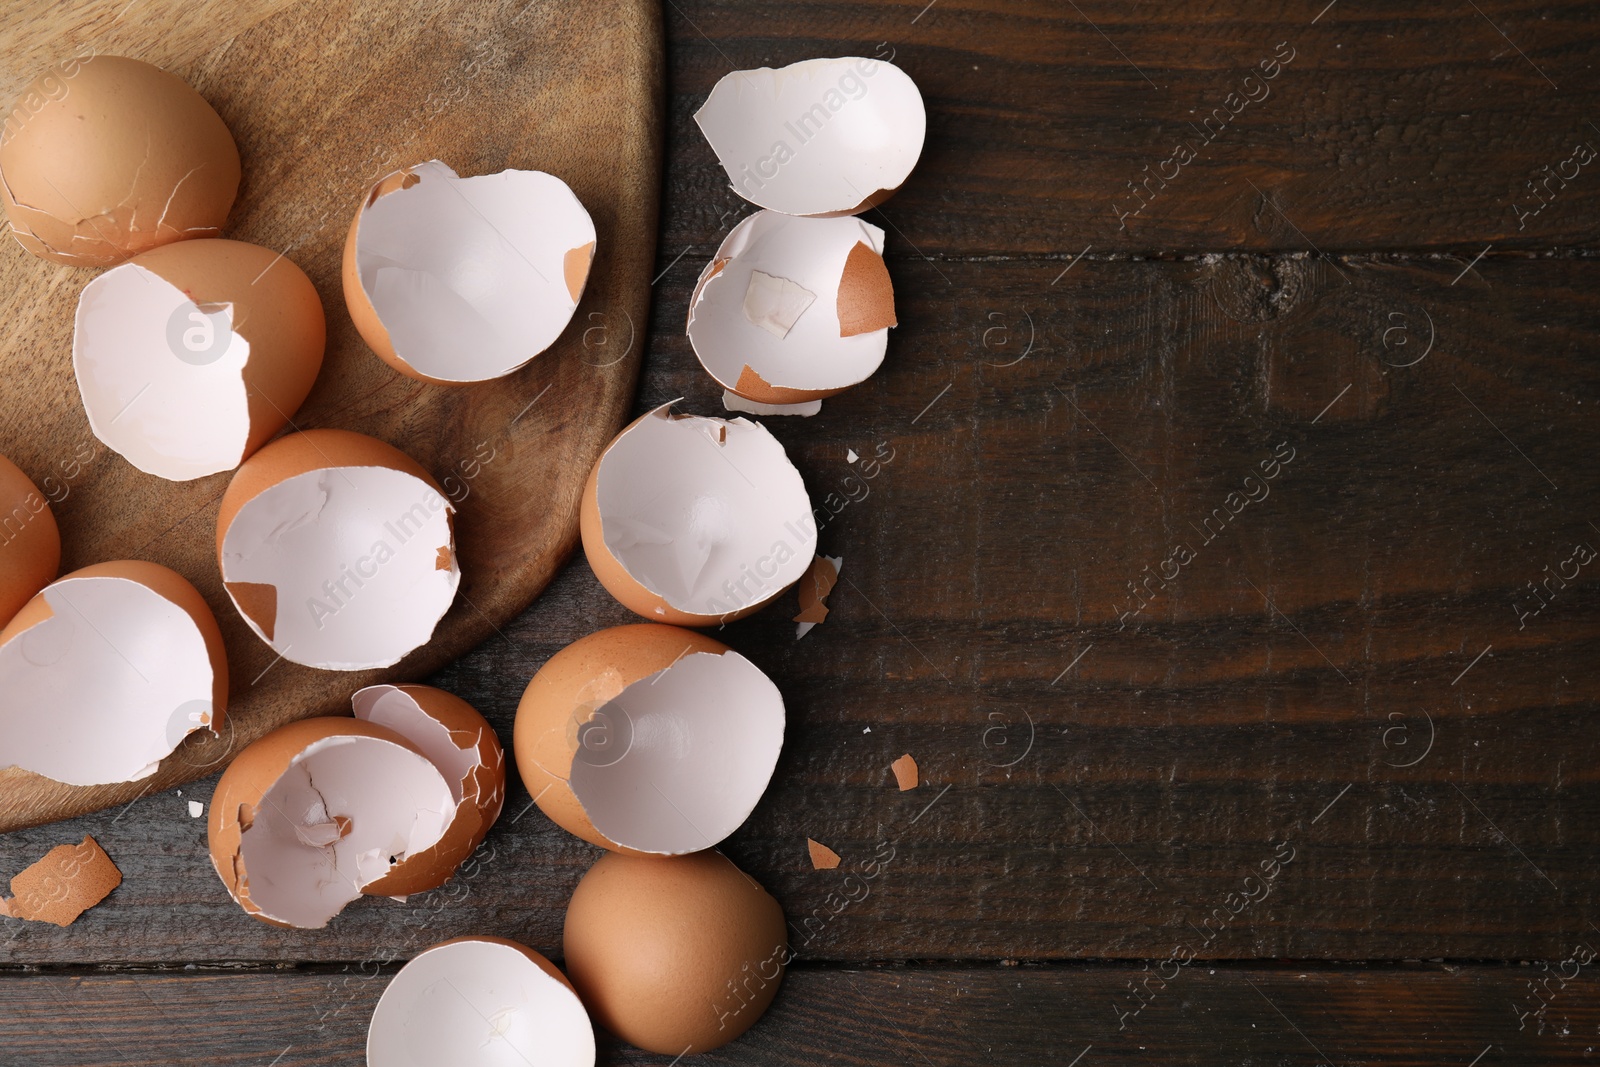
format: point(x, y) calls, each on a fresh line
point(793, 310)
point(455, 280)
point(676, 954)
point(819, 137)
point(191, 356)
point(480, 1002)
point(106, 671)
point(462, 744)
point(316, 813)
point(30, 543)
point(337, 549)
point(696, 521)
point(105, 157)
point(649, 739)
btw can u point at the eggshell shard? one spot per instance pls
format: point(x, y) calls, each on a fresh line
point(65, 883)
point(104, 157)
point(454, 280)
point(648, 739)
point(30, 543)
point(675, 955)
point(191, 356)
point(316, 813)
point(126, 659)
point(905, 772)
point(337, 549)
point(732, 401)
point(696, 521)
point(480, 1002)
point(819, 137)
point(823, 858)
point(818, 582)
point(792, 310)
point(462, 744)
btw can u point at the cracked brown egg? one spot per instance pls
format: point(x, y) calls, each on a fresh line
point(337, 549)
point(104, 157)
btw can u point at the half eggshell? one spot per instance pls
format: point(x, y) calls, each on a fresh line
point(337, 549)
point(463, 745)
point(30, 543)
point(793, 310)
point(105, 157)
point(318, 812)
point(106, 671)
point(819, 137)
point(191, 356)
point(480, 1002)
point(455, 280)
point(696, 521)
point(649, 739)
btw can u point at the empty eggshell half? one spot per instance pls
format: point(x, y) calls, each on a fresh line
point(314, 814)
point(337, 549)
point(463, 745)
point(819, 137)
point(696, 521)
point(106, 671)
point(793, 310)
point(480, 1002)
point(649, 738)
point(104, 157)
point(30, 543)
point(455, 280)
point(674, 954)
point(191, 356)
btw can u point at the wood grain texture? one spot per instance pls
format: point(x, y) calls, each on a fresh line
point(1285, 1016)
point(323, 99)
point(1104, 806)
point(1393, 126)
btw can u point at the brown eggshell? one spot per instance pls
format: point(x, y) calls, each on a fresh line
point(568, 689)
point(248, 778)
point(106, 157)
point(674, 954)
point(30, 543)
point(483, 793)
point(359, 304)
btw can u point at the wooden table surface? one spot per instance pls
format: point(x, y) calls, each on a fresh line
point(1231, 576)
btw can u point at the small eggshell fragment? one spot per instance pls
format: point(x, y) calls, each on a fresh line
point(480, 1002)
point(648, 738)
point(30, 543)
point(818, 582)
point(793, 310)
point(454, 280)
point(823, 858)
point(905, 772)
point(337, 549)
point(676, 955)
point(105, 157)
point(314, 814)
point(106, 671)
point(819, 137)
point(696, 521)
point(463, 745)
point(65, 883)
point(190, 356)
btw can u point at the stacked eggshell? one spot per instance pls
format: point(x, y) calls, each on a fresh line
point(796, 305)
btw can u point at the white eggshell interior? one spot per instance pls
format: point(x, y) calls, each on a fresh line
point(816, 137)
point(478, 1004)
point(809, 254)
point(468, 275)
point(354, 555)
point(684, 754)
point(732, 401)
point(162, 379)
point(708, 514)
point(391, 706)
point(106, 687)
point(345, 811)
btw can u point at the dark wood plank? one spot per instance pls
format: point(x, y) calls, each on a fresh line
point(1204, 1015)
point(1162, 767)
point(1414, 126)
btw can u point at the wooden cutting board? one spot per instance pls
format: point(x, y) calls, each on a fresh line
point(323, 97)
